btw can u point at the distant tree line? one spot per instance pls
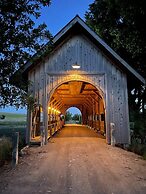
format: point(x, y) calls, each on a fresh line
point(75, 117)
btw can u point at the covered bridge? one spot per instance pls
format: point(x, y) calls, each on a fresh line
point(84, 72)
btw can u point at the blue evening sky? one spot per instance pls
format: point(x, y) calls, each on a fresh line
point(56, 16)
point(60, 12)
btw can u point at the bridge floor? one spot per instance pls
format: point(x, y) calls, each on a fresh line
point(76, 161)
point(75, 130)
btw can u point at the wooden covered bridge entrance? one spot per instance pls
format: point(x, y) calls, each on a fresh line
point(76, 92)
point(81, 71)
point(83, 95)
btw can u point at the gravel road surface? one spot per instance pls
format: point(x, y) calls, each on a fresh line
point(76, 161)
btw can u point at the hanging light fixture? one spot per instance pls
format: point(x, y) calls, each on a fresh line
point(76, 66)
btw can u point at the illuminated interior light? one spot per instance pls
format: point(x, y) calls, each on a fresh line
point(41, 110)
point(76, 66)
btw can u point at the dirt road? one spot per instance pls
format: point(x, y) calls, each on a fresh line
point(76, 161)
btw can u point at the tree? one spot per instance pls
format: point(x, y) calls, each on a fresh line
point(121, 25)
point(68, 116)
point(20, 39)
point(76, 117)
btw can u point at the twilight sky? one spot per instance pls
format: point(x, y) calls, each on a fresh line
point(56, 16)
point(60, 12)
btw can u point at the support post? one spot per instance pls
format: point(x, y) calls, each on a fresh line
point(15, 149)
point(29, 125)
point(99, 115)
point(46, 124)
point(112, 128)
point(45, 107)
point(42, 135)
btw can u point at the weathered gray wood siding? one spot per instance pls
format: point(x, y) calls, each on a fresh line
point(94, 64)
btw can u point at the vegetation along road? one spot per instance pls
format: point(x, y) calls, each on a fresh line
point(76, 161)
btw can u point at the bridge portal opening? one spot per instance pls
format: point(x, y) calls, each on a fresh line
point(84, 96)
point(73, 116)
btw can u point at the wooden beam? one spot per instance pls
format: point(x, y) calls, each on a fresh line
point(74, 101)
point(74, 96)
point(90, 102)
point(75, 87)
point(60, 106)
point(97, 93)
point(94, 98)
point(58, 102)
point(52, 100)
point(57, 105)
point(86, 104)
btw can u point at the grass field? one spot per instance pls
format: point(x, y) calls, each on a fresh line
point(13, 123)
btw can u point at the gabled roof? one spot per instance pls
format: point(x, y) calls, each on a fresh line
point(77, 25)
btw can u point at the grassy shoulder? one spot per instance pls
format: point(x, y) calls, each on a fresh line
point(13, 117)
point(12, 123)
point(5, 150)
point(138, 148)
point(12, 120)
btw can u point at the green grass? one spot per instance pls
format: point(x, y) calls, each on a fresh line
point(13, 117)
point(5, 150)
point(13, 123)
point(138, 148)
